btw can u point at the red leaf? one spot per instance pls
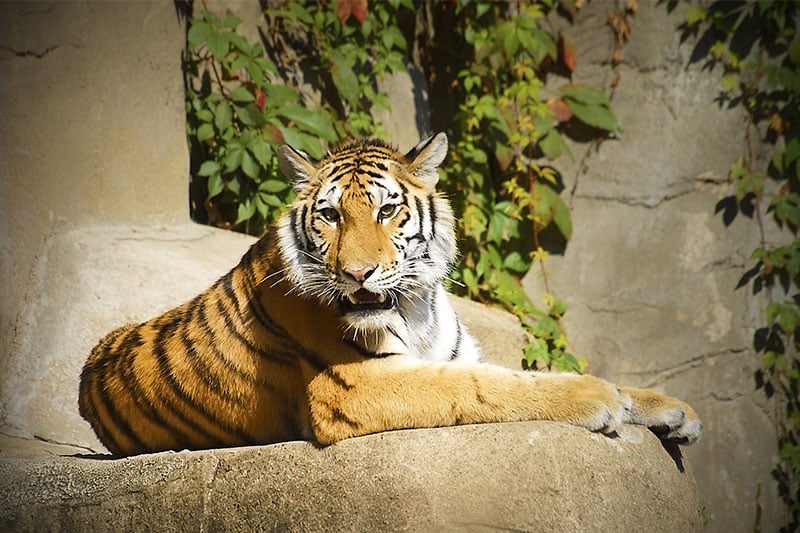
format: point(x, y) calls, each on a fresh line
point(569, 55)
point(560, 108)
point(261, 98)
point(273, 135)
point(357, 8)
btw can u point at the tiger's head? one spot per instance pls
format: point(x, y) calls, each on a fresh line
point(367, 232)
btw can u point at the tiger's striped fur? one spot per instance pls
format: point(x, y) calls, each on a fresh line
point(335, 324)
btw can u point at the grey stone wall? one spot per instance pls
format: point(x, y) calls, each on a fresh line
point(650, 274)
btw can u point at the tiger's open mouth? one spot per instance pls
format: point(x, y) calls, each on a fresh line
point(364, 300)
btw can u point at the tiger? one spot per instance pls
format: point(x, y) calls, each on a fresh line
point(336, 324)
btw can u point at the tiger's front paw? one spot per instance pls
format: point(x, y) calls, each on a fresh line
point(669, 418)
point(590, 402)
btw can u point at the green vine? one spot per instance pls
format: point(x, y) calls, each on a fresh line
point(507, 130)
point(755, 48)
point(486, 63)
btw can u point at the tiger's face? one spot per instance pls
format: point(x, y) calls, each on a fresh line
point(368, 232)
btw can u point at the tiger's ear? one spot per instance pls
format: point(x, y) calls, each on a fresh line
point(296, 165)
point(425, 158)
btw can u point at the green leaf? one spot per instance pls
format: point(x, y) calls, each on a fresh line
point(242, 94)
point(507, 288)
point(205, 132)
point(234, 186)
point(345, 79)
point(273, 186)
point(794, 51)
point(515, 261)
point(769, 359)
point(511, 42)
point(498, 222)
point(695, 14)
point(239, 43)
point(199, 32)
point(218, 45)
point(594, 115)
point(562, 218)
point(233, 159)
point(495, 260)
point(790, 320)
point(250, 115)
point(280, 95)
point(483, 265)
point(478, 156)
point(224, 116)
point(544, 206)
point(547, 328)
point(209, 168)
point(211, 18)
point(271, 199)
point(215, 185)
point(469, 280)
point(261, 150)
point(792, 151)
point(303, 141)
point(261, 206)
point(566, 362)
point(249, 165)
point(730, 81)
point(393, 37)
point(552, 145)
point(586, 94)
point(230, 21)
point(536, 349)
point(558, 307)
point(205, 115)
point(246, 211)
point(474, 222)
point(317, 122)
point(255, 71)
point(301, 13)
point(777, 160)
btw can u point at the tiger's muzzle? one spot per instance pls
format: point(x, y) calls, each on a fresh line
point(362, 301)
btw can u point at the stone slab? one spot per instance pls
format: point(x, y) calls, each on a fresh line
point(526, 476)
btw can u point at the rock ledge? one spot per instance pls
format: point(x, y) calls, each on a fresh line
point(526, 476)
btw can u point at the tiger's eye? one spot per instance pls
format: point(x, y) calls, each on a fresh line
point(329, 214)
point(387, 211)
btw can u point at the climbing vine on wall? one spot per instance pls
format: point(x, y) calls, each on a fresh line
point(756, 50)
point(313, 80)
point(508, 133)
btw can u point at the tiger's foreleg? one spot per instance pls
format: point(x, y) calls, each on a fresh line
point(401, 392)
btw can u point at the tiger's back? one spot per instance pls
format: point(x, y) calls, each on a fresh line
point(201, 375)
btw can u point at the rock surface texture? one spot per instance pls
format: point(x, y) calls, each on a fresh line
point(651, 272)
point(527, 476)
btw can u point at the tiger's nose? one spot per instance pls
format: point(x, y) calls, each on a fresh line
point(358, 272)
